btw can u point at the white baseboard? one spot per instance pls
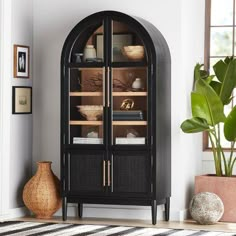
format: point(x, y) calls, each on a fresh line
point(15, 213)
point(122, 212)
point(106, 211)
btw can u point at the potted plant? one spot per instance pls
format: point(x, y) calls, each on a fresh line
point(210, 95)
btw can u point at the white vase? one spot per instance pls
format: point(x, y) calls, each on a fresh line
point(89, 52)
point(137, 84)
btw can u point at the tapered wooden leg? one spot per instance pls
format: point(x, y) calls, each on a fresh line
point(167, 209)
point(64, 208)
point(80, 210)
point(154, 212)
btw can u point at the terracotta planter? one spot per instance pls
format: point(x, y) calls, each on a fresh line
point(41, 193)
point(225, 188)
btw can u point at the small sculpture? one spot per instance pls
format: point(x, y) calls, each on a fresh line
point(127, 104)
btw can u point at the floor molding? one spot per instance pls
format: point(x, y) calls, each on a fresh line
point(122, 212)
point(15, 213)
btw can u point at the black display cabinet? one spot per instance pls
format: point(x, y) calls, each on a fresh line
point(115, 114)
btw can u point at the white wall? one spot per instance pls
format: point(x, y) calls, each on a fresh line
point(5, 103)
point(21, 125)
point(182, 24)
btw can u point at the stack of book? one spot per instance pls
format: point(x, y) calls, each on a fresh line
point(128, 115)
point(137, 140)
point(82, 140)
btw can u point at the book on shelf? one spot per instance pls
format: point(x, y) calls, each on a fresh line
point(124, 140)
point(128, 115)
point(82, 140)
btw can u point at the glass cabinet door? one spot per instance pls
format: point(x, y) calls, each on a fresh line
point(129, 76)
point(86, 106)
point(86, 82)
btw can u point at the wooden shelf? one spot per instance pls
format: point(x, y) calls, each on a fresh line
point(141, 122)
point(116, 94)
point(88, 94)
point(85, 122)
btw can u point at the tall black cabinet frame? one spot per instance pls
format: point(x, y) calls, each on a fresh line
point(154, 158)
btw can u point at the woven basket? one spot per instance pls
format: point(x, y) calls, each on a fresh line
point(41, 193)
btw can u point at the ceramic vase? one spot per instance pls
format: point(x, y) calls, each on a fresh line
point(89, 53)
point(41, 193)
point(137, 84)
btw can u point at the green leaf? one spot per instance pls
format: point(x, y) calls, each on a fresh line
point(206, 104)
point(200, 74)
point(194, 125)
point(220, 69)
point(226, 73)
point(230, 125)
point(216, 86)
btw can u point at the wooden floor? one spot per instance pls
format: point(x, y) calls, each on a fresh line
point(220, 226)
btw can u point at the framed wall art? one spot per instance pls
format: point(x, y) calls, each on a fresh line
point(118, 42)
point(21, 100)
point(21, 61)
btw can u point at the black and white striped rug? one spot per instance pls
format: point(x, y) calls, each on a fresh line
point(17, 228)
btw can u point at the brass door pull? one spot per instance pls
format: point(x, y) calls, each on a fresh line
point(104, 174)
point(108, 173)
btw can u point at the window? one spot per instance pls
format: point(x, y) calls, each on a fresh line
point(220, 41)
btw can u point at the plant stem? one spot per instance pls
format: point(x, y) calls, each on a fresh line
point(216, 158)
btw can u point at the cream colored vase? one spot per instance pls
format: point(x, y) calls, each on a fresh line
point(41, 193)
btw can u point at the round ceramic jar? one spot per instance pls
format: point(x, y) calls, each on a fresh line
point(89, 52)
point(137, 84)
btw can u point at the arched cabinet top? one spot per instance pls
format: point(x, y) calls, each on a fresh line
point(156, 48)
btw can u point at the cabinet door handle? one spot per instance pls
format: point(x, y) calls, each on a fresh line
point(103, 87)
point(108, 173)
point(108, 87)
point(104, 174)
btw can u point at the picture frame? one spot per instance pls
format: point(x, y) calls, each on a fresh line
point(21, 100)
point(21, 61)
point(118, 42)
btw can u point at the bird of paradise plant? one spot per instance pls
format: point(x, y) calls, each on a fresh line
point(211, 93)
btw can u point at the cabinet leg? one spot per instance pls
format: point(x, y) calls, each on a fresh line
point(154, 212)
point(80, 210)
point(167, 209)
point(64, 208)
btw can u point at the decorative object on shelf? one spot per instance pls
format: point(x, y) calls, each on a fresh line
point(93, 112)
point(92, 134)
point(119, 85)
point(131, 133)
point(137, 84)
point(118, 42)
point(134, 53)
point(41, 193)
point(89, 53)
point(94, 83)
point(21, 61)
point(78, 57)
point(21, 100)
point(127, 104)
point(206, 208)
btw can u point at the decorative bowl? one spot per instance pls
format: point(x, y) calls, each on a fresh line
point(90, 112)
point(134, 52)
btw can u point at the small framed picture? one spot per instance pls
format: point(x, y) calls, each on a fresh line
point(21, 61)
point(21, 100)
point(118, 42)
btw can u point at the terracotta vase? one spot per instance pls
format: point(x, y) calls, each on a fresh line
point(224, 187)
point(41, 193)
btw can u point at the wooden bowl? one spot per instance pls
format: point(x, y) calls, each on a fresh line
point(90, 112)
point(134, 53)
